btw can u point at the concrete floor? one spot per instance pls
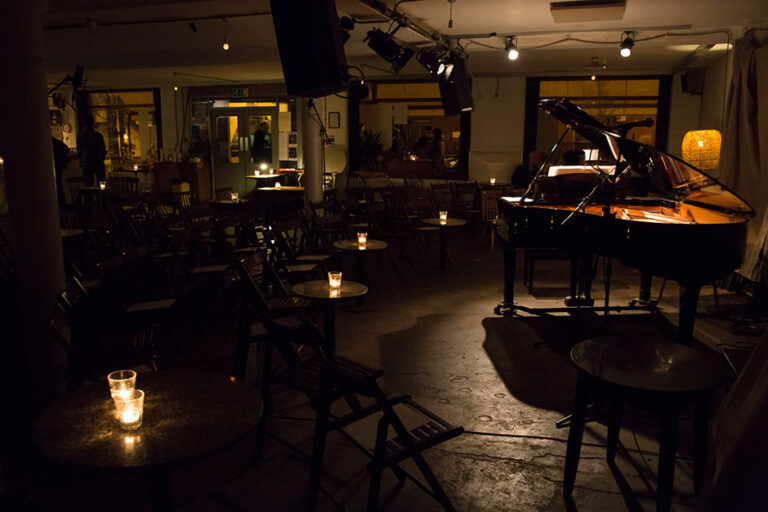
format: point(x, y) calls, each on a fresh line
point(507, 380)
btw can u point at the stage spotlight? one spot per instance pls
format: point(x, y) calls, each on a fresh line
point(510, 47)
point(383, 44)
point(626, 45)
point(347, 26)
point(432, 61)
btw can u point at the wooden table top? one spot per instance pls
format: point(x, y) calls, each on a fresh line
point(70, 232)
point(651, 365)
point(282, 189)
point(227, 202)
point(352, 245)
point(449, 222)
point(261, 176)
point(320, 290)
point(186, 415)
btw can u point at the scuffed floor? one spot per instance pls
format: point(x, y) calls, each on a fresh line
point(507, 380)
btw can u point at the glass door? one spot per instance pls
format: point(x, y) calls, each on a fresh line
point(244, 143)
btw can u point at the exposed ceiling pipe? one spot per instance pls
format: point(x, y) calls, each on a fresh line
point(93, 23)
point(405, 22)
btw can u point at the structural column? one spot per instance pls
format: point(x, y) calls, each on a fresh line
point(26, 145)
point(313, 154)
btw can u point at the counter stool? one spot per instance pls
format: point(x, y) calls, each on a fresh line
point(660, 377)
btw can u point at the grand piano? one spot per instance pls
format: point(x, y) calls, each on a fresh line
point(641, 206)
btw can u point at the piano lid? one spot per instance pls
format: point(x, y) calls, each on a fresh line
point(668, 177)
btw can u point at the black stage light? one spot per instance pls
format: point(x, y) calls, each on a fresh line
point(455, 89)
point(432, 61)
point(347, 26)
point(383, 44)
point(627, 44)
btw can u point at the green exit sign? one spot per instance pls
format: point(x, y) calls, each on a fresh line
point(239, 92)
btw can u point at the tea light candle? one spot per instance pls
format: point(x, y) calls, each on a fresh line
point(362, 240)
point(443, 216)
point(235, 196)
point(278, 185)
point(121, 383)
point(334, 280)
point(493, 181)
point(103, 185)
point(135, 167)
point(263, 167)
point(130, 409)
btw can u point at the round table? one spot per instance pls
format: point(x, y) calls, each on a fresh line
point(187, 415)
point(652, 374)
point(352, 246)
point(321, 291)
point(449, 223)
point(70, 232)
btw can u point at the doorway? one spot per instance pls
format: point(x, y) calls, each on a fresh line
point(245, 140)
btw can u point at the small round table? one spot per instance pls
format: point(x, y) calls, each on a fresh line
point(187, 415)
point(659, 376)
point(321, 291)
point(361, 276)
point(449, 223)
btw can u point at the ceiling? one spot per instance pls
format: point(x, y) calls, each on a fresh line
point(151, 42)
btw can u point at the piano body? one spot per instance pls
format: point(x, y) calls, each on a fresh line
point(661, 215)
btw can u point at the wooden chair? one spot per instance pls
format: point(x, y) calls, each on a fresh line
point(340, 378)
point(442, 194)
point(466, 201)
point(412, 212)
point(125, 189)
point(489, 207)
point(223, 194)
point(74, 184)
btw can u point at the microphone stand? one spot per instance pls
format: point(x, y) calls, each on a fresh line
point(544, 165)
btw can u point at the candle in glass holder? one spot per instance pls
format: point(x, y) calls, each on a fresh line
point(235, 196)
point(493, 181)
point(103, 185)
point(121, 382)
point(334, 280)
point(130, 409)
point(362, 240)
point(135, 167)
point(443, 217)
point(334, 293)
point(263, 167)
point(278, 185)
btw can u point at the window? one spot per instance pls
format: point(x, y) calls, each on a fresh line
point(128, 120)
point(612, 101)
point(404, 115)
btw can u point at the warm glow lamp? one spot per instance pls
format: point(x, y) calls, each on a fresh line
point(701, 148)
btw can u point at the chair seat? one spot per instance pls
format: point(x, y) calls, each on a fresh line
point(306, 376)
point(313, 257)
point(303, 267)
point(151, 305)
point(288, 302)
point(424, 436)
point(209, 269)
point(427, 228)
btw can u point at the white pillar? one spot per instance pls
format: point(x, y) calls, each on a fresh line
point(25, 132)
point(313, 155)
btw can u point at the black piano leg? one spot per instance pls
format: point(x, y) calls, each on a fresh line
point(581, 281)
point(689, 298)
point(510, 261)
point(646, 281)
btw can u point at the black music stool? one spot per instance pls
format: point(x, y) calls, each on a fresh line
point(660, 377)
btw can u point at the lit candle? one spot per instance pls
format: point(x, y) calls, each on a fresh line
point(130, 409)
point(443, 217)
point(121, 383)
point(256, 172)
point(103, 185)
point(362, 240)
point(493, 181)
point(263, 167)
point(334, 280)
point(414, 158)
point(135, 167)
point(335, 292)
point(278, 185)
point(235, 196)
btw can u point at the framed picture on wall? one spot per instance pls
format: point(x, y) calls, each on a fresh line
point(334, 120)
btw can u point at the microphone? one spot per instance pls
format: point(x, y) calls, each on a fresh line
point(625, 127)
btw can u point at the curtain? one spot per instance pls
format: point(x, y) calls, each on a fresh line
point(744, 162)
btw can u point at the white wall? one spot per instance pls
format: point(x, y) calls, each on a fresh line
point(684, 113)
point(498, 124)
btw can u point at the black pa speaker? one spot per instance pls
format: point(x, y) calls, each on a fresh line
point(309, 40)
point(692, 81)
point(455, 89)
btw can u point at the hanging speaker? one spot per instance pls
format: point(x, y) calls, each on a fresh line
point(455, 89)
point(693, 81)
point(309, 39)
